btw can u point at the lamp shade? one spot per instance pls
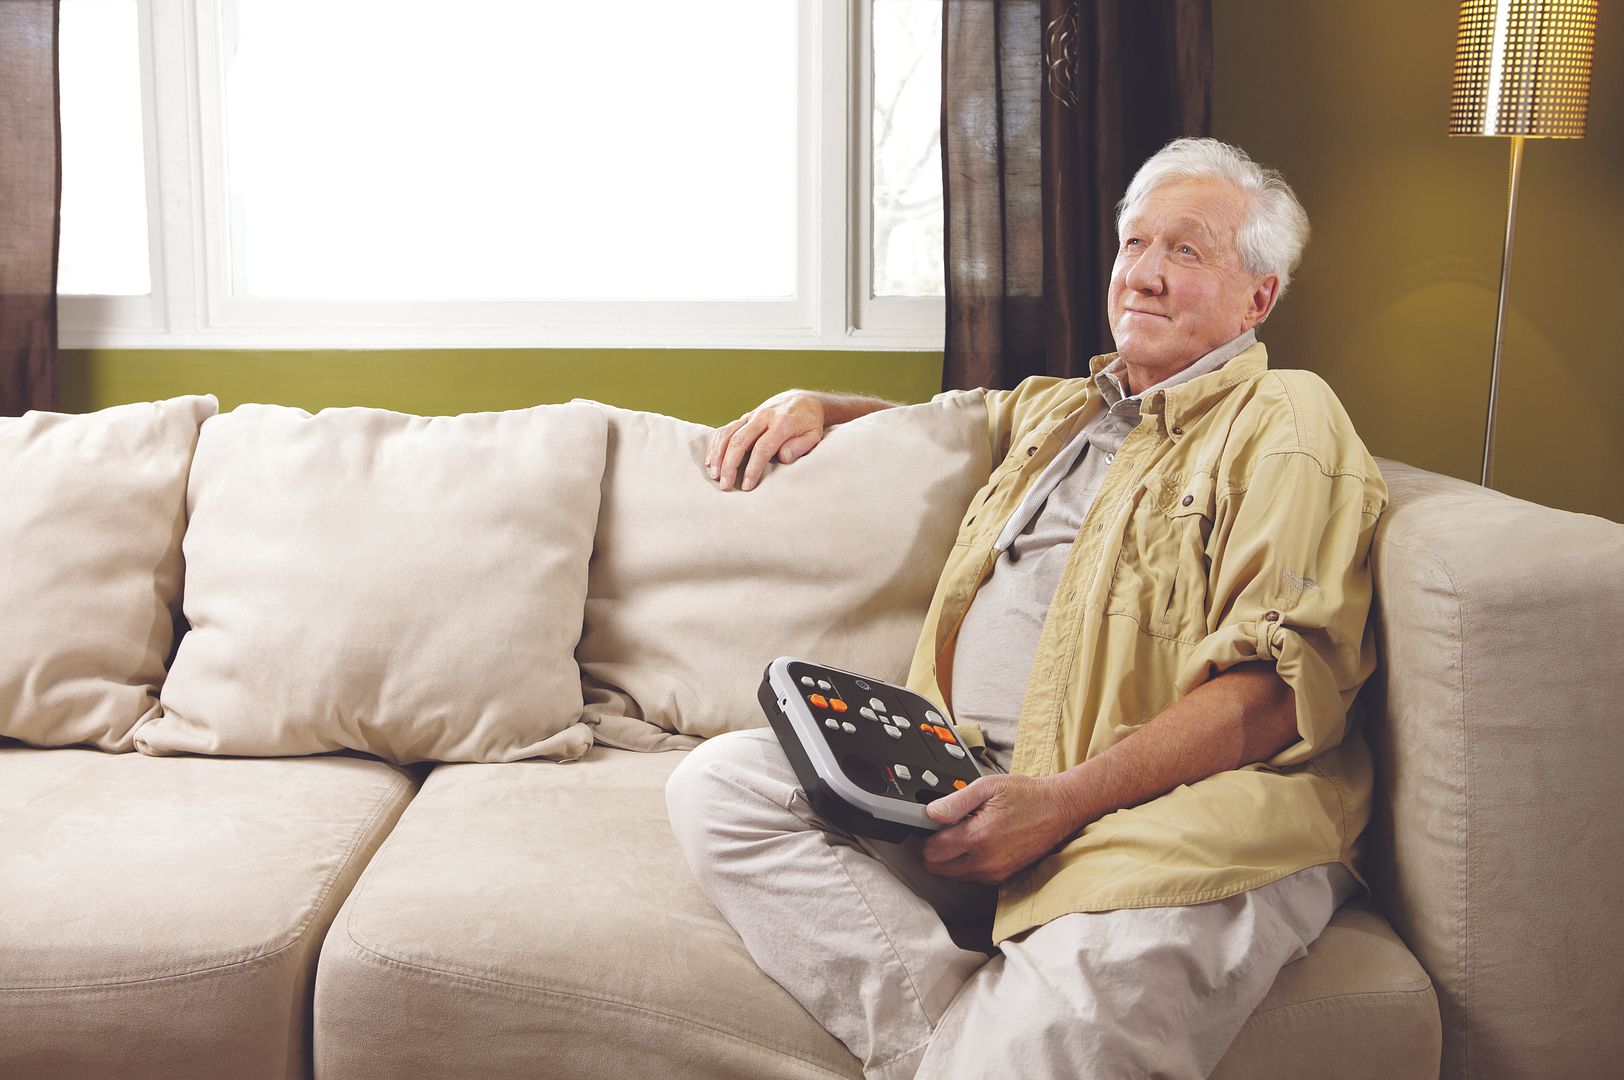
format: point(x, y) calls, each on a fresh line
point(1522, 67)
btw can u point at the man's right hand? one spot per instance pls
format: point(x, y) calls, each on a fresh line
point(787, 425)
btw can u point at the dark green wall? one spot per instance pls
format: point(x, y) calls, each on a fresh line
point(1395, 303)
point(703, 385)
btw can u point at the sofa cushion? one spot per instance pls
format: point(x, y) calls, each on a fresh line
point(162, 916)
point(402, 585)
point(1493, 721)
point(542, 913)
point(90, 541)
point(833, 557)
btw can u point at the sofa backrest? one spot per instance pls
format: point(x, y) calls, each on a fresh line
point(1494, 721)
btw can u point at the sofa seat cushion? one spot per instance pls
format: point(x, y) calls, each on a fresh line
point(537, 919)
point(162, 915)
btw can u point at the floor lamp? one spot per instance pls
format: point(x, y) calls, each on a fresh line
point(1522, 70)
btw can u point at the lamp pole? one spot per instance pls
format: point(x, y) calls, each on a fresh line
point(1500, 314)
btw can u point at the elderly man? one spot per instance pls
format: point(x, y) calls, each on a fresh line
point(1155, 616)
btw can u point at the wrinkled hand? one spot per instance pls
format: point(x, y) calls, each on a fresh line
point(787, 424)
point(1004, 824)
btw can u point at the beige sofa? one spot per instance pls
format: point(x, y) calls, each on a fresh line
point(356, 845)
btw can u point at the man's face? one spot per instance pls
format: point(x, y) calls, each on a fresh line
point(1179, 288)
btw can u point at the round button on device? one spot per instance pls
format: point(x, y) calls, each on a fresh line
point(867, 713)
point(929, 777)
point(902, 722)
point(876, 704)
point(832, 724)
point(933, 716)
point(955, 750)
point(893, 732)
point(848, 727)
point(824, 684)
point(806, 680)
point(902, 772)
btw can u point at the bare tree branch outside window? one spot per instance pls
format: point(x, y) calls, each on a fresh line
point(907, 186)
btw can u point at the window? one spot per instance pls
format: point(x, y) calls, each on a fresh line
point(299, 173)
point(103, 248)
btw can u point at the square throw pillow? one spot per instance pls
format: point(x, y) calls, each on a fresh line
point(406, 586)
point(92, 509)
point(694, 590)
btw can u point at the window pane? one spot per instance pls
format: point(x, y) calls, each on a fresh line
point(103, 248)
point(907, 148)
point(508, 149)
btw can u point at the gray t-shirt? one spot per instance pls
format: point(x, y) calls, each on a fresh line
point(998, 639)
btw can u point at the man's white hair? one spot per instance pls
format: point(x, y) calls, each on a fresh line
point(1275, 229)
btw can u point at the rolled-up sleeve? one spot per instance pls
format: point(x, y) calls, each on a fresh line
point(1289, 582)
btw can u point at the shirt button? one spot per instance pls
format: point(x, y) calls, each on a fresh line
point(1271, 616)
point(1030, 450)
point(1188, 499)
point(1110, 458)
point(1178, 431)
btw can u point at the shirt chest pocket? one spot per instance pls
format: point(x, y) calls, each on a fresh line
point(1161, 572)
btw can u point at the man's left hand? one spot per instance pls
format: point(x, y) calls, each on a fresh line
point(1004, 824)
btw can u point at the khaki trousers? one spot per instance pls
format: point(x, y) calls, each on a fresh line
point(881, 952)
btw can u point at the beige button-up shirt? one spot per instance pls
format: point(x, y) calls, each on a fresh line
point(1233, 525)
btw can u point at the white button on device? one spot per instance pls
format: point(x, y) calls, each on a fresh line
point(902, 772)
point(902, 722)
point(933, 716)
point(955, 750)
point(832, 724)
point(876, 704)
point(928, 777)
point(848, 727)
point(824, 684)
point(893, 732)
point(806, 680)
point(867, 713)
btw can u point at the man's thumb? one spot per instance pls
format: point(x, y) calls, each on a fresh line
point(951, 808)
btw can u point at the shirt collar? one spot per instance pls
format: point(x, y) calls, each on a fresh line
point(1191, 391)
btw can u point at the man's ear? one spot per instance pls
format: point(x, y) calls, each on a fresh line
point(1265, 291)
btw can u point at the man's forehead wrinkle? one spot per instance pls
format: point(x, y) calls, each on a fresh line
point(1183, 225)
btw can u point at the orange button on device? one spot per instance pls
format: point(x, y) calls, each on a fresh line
point(837, 705)
point(820, 701)
point(945, 734)
point(959, 785)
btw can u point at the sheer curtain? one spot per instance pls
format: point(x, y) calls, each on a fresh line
point(1048, 107)
point(30, 193)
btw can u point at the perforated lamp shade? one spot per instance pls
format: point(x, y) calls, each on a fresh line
point(1522, 68)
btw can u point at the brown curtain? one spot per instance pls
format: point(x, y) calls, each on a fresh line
point(30, 199)
point(1048, 108)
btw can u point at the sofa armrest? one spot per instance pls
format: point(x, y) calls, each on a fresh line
point(1494, 719)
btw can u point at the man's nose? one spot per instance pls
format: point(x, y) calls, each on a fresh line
point(1145, 275)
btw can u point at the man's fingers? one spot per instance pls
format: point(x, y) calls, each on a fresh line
point(798, 446)
point(718, 442)
point(743, 438)
point(766, 446)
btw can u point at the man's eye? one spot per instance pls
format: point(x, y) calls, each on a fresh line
point(1132, 241)
point(1186, 249)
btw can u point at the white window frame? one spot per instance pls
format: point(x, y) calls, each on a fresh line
point(877, 318)
point(192, 303)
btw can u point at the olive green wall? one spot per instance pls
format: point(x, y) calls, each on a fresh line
point(702, 385)
point(1394, 305)
point(1395, 302)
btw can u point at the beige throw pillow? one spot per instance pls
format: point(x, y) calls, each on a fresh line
point(406, 586)
point(92, 509)
point(834, 557)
